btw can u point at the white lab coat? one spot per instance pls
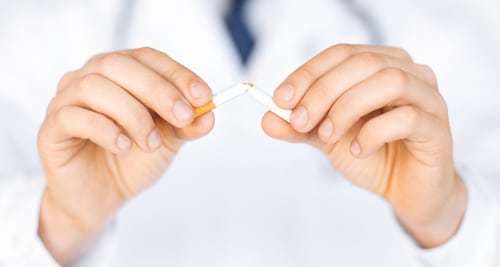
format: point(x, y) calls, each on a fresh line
point(237, 197)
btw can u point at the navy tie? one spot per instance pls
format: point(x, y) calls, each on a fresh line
point(238, 28)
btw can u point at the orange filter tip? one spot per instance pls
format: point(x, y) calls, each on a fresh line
point(199, 111)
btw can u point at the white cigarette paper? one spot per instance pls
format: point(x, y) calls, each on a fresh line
point(258, 95)
point(229, 94)
point(267, 101)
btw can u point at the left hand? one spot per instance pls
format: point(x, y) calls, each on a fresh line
point(384, 126)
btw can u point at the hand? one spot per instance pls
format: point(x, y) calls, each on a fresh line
point(110, 132)
point(384, 126)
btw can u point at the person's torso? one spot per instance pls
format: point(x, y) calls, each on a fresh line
point(235, 197)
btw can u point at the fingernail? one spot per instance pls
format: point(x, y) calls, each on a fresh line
point(299, 117)
point(325, 131)
point(154, 139)
point(285, 92)
point(123, 142)
point(182, 111)
point(199, 90)
point(355, 148)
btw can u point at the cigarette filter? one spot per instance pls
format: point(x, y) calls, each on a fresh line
point(240, 89)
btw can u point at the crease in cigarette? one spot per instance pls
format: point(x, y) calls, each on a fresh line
point(267, 101)
point(239, 89)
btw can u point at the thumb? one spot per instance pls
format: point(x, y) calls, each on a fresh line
point(200, 127)
point(279, 129)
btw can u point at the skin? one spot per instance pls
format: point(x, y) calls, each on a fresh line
point(110, 132)
point(380, 120)
point(115, 125)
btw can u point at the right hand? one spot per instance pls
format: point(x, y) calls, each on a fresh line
point(110, 132)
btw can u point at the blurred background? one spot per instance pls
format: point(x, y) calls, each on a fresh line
point(34, 35)
point(460, 40)
point(41, 40)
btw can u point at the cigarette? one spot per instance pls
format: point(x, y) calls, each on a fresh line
point(239, 89)
point(267, 101)
point(221, 98)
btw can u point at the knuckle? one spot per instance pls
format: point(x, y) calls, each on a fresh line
point(157, 92)
point(443, 106)
point(304, 75)
point(94, 122)
point(143, 51)
point(141, 120)
point(88, 84)
point(343, 49)
point(443, 102)
point(89, 81)
point(100, 128)
point(98, 125)
point(67, 75)
point(95, 58)
point(410, 115)
point(52, 106)
point(350, 103)
point(428, 72)
point(103, 126)
point(322, 88)
point(400, 52)
point(60, 117)
point(427, 69)
point(371, 59)
point(43, 139)
point(65, 80)
point(180, 75)
point(109, 61)
point(398, 78)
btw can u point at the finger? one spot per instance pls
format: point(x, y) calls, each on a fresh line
point(76, 122)
point(191, 85)
point(405, 122)
point(199, 128)
point(294, 87)
point(324, 92)
point(277, 128)
point(389, 87)
point(146, 85)
point(67, 79)
point(99, 94)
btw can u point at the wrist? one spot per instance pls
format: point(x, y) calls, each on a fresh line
point(53, 211)
point(65, 236)
point(436, 225)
